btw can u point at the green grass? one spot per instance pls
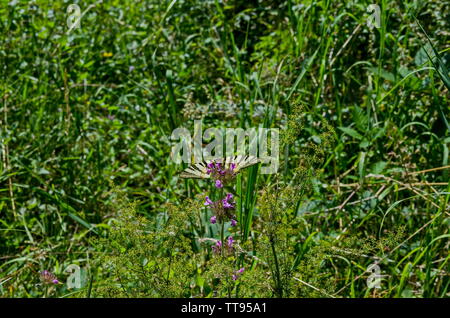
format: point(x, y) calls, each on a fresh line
point(78, 123)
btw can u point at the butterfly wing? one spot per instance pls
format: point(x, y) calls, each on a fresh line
point(196, 171)
point(245, 161)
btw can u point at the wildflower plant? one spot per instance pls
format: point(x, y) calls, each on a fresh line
point(221, 249)
point(224, 208)
point(48, 277)
point(49, 281)
point(221, 202)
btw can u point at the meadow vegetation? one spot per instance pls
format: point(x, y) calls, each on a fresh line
point(86, 176)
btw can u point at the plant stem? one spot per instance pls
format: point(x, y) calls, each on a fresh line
point(279, 289)
point(222, 234)
point(222, 230)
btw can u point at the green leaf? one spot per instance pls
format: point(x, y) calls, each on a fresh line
point(441, 69)
point(378, 167)
point(364, 144)
point(422, 55)
point(351, 132)
point(360, 118)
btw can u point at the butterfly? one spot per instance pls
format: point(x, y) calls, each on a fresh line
point(199, 170)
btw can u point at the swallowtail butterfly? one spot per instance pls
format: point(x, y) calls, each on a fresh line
point(199, 170)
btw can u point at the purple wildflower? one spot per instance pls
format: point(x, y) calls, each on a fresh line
point(221, 172)
point(217, 248)
point(208, 201)
point(238, 273)
point(230, 242)
point(223, 210)
point(226, 204)
point(48, 277)
point(213, 219)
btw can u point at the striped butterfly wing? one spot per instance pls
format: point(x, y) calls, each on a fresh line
point(198, 170)
point(245, 161)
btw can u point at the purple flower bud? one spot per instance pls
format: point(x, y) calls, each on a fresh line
point(216, 248)
point(233, 222)
point(232, 167)
point(226, 204)
point(213, 219)
point(48, 277)
point(230, 241)
point(219, 184)
point(238, 273)
point(208, 201)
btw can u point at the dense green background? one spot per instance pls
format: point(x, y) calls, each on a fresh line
point(87, 111)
